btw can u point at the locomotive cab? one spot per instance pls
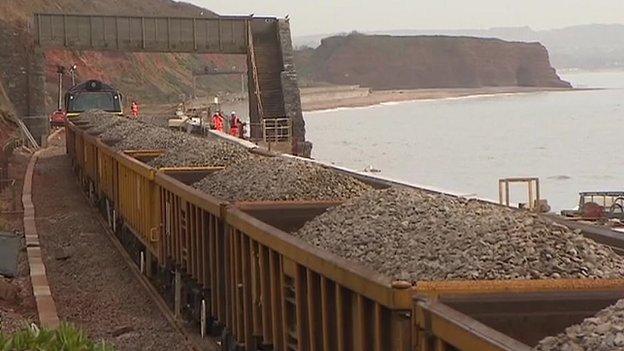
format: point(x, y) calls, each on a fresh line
point(93, 95)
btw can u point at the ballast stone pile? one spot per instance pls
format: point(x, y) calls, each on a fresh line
point(149, 137)
point(94, 118)
point(201, 152)
point(415, 236)
point(602, 332)
point(99, 121)
point(134, 135)
point(110, 127)
point(279, 179)
point(182, 149)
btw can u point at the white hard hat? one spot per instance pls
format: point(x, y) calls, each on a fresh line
point(233, 112)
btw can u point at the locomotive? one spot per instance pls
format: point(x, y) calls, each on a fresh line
point(93, 95)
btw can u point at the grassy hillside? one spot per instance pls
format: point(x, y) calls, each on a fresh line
point(20, 11)
point(149, 78)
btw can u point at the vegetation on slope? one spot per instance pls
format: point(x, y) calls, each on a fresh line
point(146, 77)
point(66, 337)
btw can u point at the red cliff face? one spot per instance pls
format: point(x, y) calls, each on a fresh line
point(148, 77)
point(386, 62)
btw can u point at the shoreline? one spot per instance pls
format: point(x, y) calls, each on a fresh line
point(397, 96)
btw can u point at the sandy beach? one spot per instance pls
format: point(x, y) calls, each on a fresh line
point(333, 98)
point(378, 97)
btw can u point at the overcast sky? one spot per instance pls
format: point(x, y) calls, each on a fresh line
point(330, 16)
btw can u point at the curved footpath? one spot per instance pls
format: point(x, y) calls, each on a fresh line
point(46, 308)
point(92, 285)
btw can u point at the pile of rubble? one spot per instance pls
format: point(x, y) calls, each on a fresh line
point(201, 152)
point(416, 236)
point(280, 179)
point(602, 332)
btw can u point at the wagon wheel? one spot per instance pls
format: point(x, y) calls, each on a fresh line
point(617, 207)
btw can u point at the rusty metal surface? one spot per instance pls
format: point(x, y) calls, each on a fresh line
point(141, 153)
point(136, 165)
point(279, 205)
point(144, 156)
point(516, 286)
point(439, 326)
point(187, 193)
point(288, 216)
point(357, 278)
point(530, 317)
point(221, 35)
point(190, 175)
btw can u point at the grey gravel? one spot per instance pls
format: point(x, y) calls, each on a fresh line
point(201, 152)
point(125, 134)
point(104, 124)
point(118, 132)
point(96, 122)
point(602, 332)
point(412, 235)
point(280, 179)
point(96, 117)
point(183, 149)
point(149, 137)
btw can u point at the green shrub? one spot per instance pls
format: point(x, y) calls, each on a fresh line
point(65, 338)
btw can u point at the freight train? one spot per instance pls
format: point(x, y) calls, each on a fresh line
point(234, 270)
point(92, 95)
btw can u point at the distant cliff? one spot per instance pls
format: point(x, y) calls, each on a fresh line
point(412, 62)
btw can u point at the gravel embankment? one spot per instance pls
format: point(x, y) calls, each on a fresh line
point(201, 152)
point(279, 179)
point(602, 332)
point(415, 236)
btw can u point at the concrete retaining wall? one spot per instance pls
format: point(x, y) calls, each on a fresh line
point(23, 71)
point(290, 89)
point(318, 94)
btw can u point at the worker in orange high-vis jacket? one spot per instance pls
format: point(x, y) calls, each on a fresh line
point(235, 125)
point(134, 109)
point(217, 122)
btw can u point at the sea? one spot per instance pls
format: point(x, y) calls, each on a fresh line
point(572, 141)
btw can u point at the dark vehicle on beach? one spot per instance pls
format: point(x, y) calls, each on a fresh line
point(93, 95)
point(595, 205)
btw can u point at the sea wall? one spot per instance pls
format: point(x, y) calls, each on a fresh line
point(415, 62)
point(324, 94)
